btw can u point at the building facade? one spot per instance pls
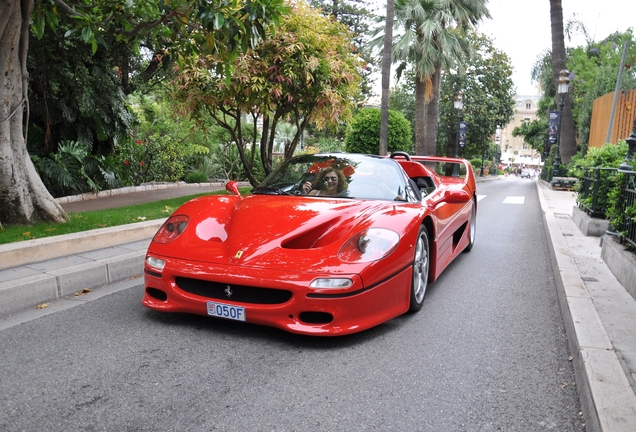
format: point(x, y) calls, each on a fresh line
point(515, 150)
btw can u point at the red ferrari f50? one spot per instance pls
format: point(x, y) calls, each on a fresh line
point(328, 244)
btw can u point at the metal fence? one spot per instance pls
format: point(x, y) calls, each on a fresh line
point(626, 224)
point(594, 187)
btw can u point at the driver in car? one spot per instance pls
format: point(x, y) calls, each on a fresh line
point(330, 182)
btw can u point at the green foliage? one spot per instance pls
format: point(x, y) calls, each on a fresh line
point(150, 160)
point(488, 96)
point(74, 95)
point(593, 72)
point(73, 170)
point(608, 156)
point(196, 177)
point(227, 158)
point(476, 163)
point(402, 99)
point(364, 136)
point(304, 73)
point(428, 35)
point(326, 144)
point(630, 212)
point(611, 182)
point(534, 133)
point(222, 29)
point(354, 14)
point(164, 144)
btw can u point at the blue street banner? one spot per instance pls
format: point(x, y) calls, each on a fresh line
point(553, 127)
point(462, 134)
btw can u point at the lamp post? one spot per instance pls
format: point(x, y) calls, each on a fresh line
point(562, 89)
point(458, 104)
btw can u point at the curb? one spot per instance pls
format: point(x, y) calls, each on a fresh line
point(48, 281)
point(607, 399)
point(30, 251)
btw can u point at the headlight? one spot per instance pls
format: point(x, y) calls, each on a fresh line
point(331, 283)
point(155, 263)
point(171, 229)
point(369, 245)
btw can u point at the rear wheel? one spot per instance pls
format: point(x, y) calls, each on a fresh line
point(421, 265)
point(472, 228)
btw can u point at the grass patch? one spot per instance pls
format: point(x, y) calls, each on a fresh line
point(87, 221)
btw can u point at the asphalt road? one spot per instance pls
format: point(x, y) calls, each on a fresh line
point(487, 352)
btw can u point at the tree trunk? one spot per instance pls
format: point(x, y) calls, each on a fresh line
point(567, 139)
point(420, 116)
point(386, 78)
point(432, 114)
point(23, 198)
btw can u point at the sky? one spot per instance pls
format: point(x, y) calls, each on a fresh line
point(521, 28)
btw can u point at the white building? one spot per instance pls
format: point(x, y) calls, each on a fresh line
point(515, 149)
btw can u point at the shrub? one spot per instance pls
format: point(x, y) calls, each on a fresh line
point(610, 189)
point(150, 160)
point(73, 170)
point(164, 144)
point(196, 177)
point(364, 136)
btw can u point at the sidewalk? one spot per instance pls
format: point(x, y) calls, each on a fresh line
point(599, 315)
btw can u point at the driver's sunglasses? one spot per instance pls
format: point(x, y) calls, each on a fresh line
point(331, 178)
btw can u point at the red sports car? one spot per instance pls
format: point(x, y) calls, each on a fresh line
point(328, 244)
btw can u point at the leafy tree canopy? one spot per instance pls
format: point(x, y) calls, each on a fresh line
point(304, 72)
point(218, 28)
point(74, 95)
point(593, 73)
point(357, 17)
point(488, 96)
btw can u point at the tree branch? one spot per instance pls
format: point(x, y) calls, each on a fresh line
point(66, 8)
point(147, 25)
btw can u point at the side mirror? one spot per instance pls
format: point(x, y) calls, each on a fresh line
point(457, 196)
point(232, 187)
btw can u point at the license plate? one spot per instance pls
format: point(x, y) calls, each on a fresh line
point(226, 311)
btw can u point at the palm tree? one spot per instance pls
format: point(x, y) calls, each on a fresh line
point(432, 40)
point(285, 134)
point(386, 77)
point(567, 141)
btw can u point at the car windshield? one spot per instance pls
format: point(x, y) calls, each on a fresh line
point(345, 176)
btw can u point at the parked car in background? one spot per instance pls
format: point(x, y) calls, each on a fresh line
point(525, 173)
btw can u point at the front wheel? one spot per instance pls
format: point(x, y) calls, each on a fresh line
point(421, 264)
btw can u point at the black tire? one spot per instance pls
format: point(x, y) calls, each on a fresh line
point(421, 266)
point(472, 228)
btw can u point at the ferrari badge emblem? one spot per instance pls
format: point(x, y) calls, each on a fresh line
point(228, 291)
point(238, 254)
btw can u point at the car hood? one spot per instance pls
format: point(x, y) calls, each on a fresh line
point(276, 231)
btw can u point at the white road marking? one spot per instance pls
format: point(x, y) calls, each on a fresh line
point(514, 200)
point(480, 197)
